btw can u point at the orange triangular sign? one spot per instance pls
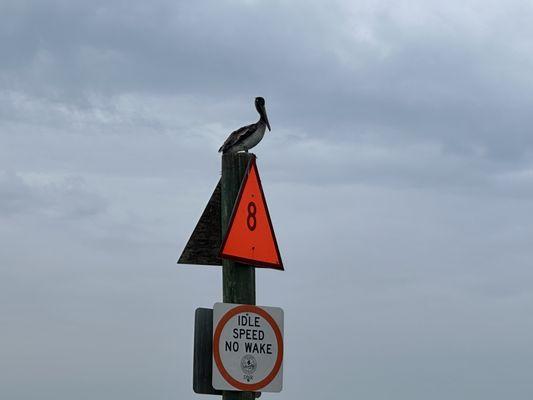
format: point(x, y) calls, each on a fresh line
point(250, 237)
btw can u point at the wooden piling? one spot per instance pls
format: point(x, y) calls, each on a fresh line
point(238, 280)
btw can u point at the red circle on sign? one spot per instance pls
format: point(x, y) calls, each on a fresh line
point(216, 352)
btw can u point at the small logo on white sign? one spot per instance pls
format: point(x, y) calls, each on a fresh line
point(248, 366)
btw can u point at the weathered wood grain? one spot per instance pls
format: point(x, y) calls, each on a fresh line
point(206, 239)
point(238, 280)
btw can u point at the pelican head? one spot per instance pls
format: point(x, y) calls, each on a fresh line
point(260, 107)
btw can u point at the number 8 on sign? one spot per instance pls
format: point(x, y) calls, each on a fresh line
point(251, 221)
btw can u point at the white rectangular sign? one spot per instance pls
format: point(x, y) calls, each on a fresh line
point(247, 348)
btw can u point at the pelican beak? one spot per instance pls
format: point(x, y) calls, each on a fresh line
point(265, 118)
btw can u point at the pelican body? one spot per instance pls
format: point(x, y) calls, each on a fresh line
point(243, 139)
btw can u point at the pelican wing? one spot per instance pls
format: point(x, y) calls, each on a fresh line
point(236, 136)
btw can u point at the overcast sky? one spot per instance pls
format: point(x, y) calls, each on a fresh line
point(399, 177)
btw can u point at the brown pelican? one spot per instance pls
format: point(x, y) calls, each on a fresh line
point(248, 136)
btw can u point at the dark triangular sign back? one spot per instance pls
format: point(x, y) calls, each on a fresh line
point(204, 243)
point(250, 237)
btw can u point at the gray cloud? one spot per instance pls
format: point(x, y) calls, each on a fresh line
point(398, 173)
point(64, 199)
point(404, 73)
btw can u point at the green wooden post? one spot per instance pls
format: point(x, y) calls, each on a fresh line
point(238, 280)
